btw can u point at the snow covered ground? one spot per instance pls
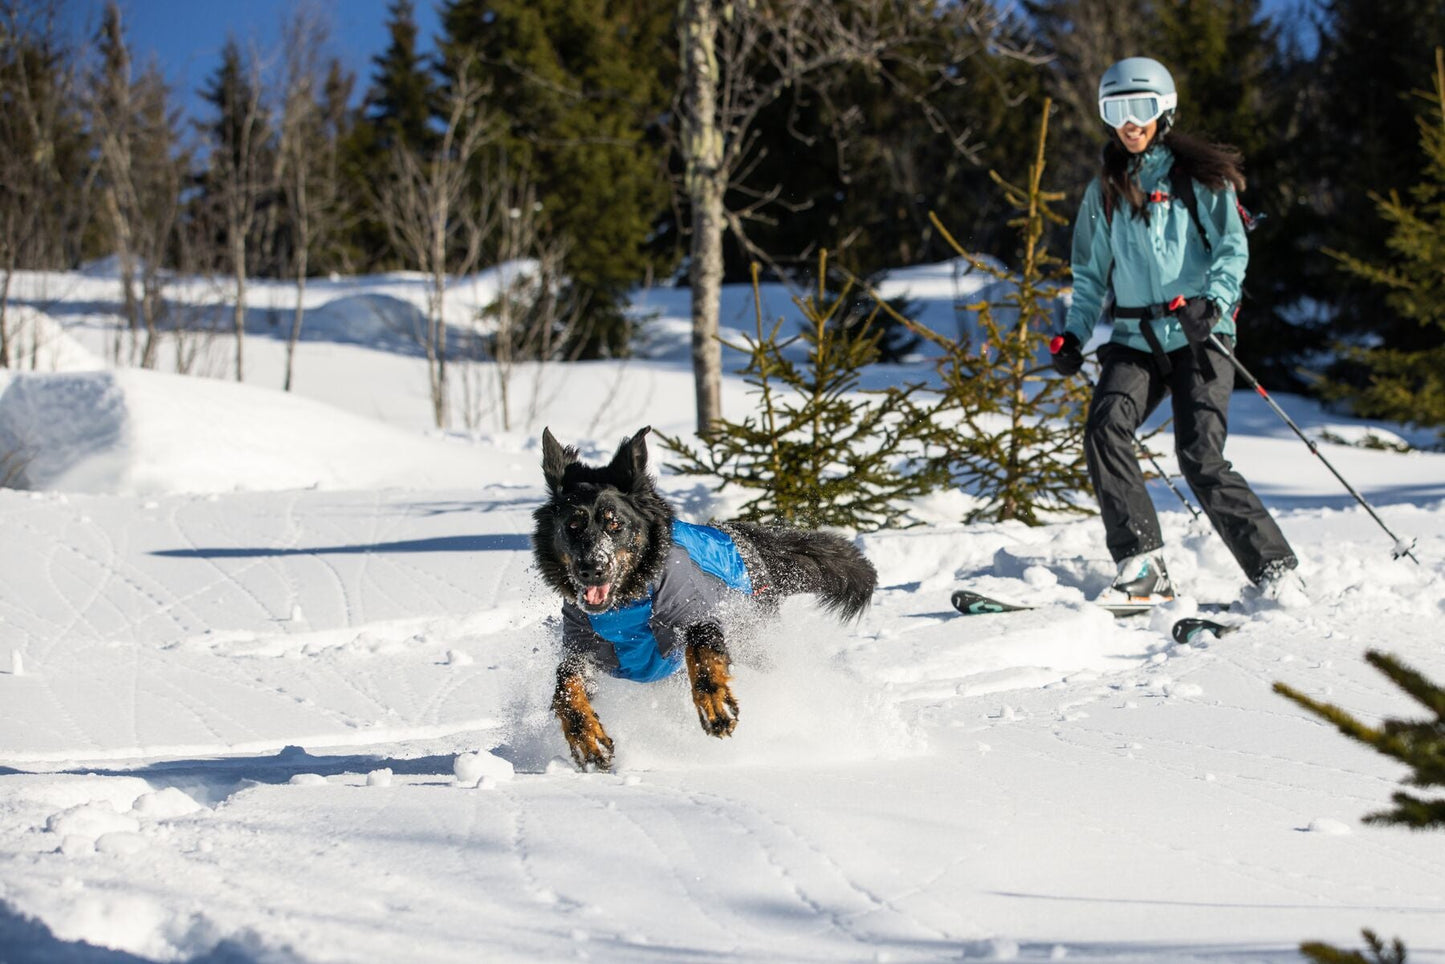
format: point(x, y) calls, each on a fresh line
point(274, 674)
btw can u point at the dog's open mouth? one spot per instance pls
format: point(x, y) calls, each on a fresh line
point(596, 597)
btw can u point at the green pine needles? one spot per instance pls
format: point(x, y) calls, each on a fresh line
point(1420, 745)
point(1004, 428)
point(821, 451)
point(818, 451)
point(1379, 952)
point(1403, 380)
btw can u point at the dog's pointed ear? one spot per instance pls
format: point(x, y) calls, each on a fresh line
point(630, 462)
point(555, 460)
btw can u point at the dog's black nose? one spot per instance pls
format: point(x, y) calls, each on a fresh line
point(592, 573)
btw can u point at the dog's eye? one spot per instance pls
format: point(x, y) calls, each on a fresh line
point(575, 523)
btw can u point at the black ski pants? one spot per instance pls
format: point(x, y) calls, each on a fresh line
point(1130, 387)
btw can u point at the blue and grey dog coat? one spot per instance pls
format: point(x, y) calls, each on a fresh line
point(642, 641)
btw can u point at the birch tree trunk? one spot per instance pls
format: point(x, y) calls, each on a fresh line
point(5, 275)
point(740, 57)
point(303, 244)
point(241, 196)
point(705, 181)
point(238, 311)
point(437, 342)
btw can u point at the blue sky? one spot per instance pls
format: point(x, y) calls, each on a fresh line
point(186, 36)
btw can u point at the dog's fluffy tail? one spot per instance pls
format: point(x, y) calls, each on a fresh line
point(801, 561)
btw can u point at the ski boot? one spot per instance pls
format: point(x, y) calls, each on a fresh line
point(1142, 579)
point(1278, 582)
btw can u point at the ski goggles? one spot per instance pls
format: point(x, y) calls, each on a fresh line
point(1138, 108)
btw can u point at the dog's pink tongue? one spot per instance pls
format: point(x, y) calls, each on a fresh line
point(597, 595)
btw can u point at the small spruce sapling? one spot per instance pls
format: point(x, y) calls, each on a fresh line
point(819, 450)
point(1003, 427)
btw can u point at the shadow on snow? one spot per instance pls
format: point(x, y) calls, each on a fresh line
point(477, 543)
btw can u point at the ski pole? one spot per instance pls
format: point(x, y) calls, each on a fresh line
point(1401, 548)
point(1139, 444)
point(1165, 476)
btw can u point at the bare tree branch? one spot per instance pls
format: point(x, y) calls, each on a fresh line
point(437, 215)
point(740, 59)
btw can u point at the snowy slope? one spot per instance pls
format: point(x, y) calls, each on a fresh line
point(274, 675)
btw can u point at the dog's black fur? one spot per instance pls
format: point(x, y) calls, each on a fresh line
point(601, 539)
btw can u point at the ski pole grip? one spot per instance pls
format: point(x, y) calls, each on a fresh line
point(1177, 303)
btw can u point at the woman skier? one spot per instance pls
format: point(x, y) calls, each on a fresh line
point(1159, 243)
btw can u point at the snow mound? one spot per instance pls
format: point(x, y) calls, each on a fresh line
point(143, 433)
point(481, 769)
point(40, 343)
point(378, 320)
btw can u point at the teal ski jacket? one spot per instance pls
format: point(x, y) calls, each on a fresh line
point(1149, 263)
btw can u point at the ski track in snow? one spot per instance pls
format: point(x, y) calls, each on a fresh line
point(261, 722)
point(778, 845)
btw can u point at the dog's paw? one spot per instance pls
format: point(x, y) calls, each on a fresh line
point(717, 708)
point(589, 743)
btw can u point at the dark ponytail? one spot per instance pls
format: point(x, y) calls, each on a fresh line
point(1213, 165)
point(1117, 175)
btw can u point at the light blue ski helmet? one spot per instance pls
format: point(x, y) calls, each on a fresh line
point(1140, 89)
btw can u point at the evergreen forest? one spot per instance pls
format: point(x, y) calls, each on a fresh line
point(626, 142)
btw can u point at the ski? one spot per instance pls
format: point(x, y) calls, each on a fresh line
point(1191, 628)
point(971, 603)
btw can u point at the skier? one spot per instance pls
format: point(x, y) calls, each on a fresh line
point(1166, 257)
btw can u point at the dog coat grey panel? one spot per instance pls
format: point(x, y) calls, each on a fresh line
point(644, 640)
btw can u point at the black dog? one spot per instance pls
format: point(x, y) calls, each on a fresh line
point(643, 593)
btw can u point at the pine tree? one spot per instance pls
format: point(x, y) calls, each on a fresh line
point(1419, 745)
point(586, 84)
point(818, 452)
point(862, 314)
point(743, 63)
point(1405, 381)
point(1379, 952)
point(397, 111)
point(402, 98)
point(337, 249)
point(1220, 52)
point(1009, 433)
point(1369, 61)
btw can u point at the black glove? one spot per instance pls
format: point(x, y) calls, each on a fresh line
point(1068, 357)
point(1197, 317)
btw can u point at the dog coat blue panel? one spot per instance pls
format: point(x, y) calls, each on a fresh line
point(714, 551)
point(699, 575)
point(629, 630)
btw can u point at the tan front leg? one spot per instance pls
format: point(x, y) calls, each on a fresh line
point(588, 741)
point(707, 669)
